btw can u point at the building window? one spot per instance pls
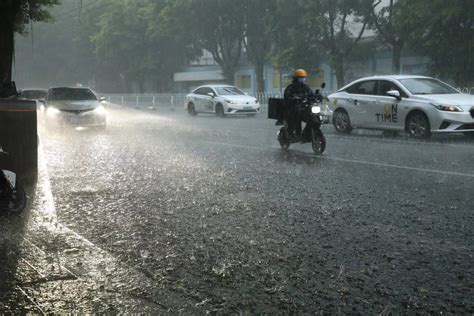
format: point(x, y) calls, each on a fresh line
point(285, 80)
point(244, 81)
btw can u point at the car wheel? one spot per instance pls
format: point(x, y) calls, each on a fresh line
point(418, 125)
point(192, 109)
point(341, 121)
point(220, 110)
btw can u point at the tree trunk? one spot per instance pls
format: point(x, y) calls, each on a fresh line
point(340, 72)
point(396, 56)
point(229, 74)
point(260, 69)
point(8, 13)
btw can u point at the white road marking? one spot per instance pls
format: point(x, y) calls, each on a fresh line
point(370, 138)
point(49, 211)
point(378, 164)
point(33, 301)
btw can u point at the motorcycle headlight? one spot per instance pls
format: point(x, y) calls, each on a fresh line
point(447, 108)
point(52, 111)
point(316, 109)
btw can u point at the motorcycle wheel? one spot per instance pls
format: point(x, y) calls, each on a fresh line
point(17, 203)
point(318, 142)
point(283, 138)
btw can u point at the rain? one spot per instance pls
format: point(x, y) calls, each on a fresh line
point(165, 173)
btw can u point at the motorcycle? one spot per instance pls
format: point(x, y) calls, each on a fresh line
point(311, 112)
point(12, 193)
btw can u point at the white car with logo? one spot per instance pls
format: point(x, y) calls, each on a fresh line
point(221, 100)
point(416, 104)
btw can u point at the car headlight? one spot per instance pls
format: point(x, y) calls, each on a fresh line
point(230, 102)
point(447, 108)
point(100, 110)
point(52, 111)
point(316, 109)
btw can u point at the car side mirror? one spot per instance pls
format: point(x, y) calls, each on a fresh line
point(323, 85)
point(211, 94)
point(395, 94)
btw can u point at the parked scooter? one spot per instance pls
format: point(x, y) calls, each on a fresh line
point(12, 193)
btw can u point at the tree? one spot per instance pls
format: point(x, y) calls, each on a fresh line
point(317, 29)
point(14, 15)
point(296, 37)
point(123, 48)
point(342, 30)
point(444, 32)
point(216, 26)
point(257, 38)
point(389, 22)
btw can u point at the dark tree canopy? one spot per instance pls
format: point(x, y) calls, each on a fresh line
point(14, 15)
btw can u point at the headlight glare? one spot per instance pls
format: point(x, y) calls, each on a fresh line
point(100, 110)
point(52, 111)
point(316, 109)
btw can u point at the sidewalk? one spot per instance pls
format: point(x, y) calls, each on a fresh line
point(47, 268)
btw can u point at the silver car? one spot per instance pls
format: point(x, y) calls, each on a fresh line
point(416, 104)
point(74, 107)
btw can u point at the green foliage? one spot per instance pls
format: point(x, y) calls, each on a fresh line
point(444, 31)
point(214, 25)
point(390, 24)
point(310, 31)
point(258, 34)
point(33, 10)
point(296, 36)
point(136, 41)
point(58, 53)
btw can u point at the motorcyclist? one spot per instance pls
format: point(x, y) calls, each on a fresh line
point(296, 91)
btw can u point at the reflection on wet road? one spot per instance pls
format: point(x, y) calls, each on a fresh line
point(167, 213)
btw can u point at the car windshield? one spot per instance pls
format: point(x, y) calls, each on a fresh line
point(63, 94)
point(229, 91)
point(427, 86)
point(33, 94)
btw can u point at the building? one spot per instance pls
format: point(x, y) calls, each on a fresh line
point(378, 62)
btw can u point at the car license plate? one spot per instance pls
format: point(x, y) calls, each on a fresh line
point(247, 107)
point(78, 120)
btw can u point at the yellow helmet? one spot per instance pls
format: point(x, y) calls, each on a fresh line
point(300, 73)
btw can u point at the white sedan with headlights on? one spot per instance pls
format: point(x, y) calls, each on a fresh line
point(416, 104)
point(71, 106)
point(221, 100)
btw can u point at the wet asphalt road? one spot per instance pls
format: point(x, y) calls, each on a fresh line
point(209, 215)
